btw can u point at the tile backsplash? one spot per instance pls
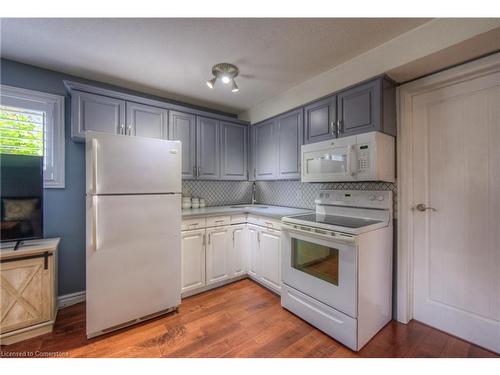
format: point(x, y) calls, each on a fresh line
point(288, 193)
point(300, 194)
point(219, 193)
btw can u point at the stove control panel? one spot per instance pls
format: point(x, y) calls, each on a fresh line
point(381, 199)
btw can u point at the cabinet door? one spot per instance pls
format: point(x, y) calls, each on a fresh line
point(146, 121)
point(359, 109)
point(237, 250)
point(233, 151)
point(253, 251)
point(26, 290)
point(182, 127)
point(207, 148)
point(217, 254)
point(97, 113)
point(290, 136)
point(265, 151)
point(270, 261)
point(320, 120)
point(193, 259)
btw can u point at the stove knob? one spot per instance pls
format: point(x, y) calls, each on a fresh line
point(371, 197)
point(380, 198)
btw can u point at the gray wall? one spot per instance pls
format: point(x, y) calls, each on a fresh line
point(64, 209)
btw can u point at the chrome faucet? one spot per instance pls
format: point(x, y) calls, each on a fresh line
point(254, 189)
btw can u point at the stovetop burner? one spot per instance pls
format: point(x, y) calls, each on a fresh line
point(340, 221)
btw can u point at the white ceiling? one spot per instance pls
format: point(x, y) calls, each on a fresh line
point(173, 57)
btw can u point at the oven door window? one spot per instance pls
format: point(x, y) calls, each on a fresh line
point(316, 260)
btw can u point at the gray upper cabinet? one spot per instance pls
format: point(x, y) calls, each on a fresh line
point(290, 129)
point(265, 151)
point(97, 113)
point(207, 148)
point(182, 127)
point(367, 107)
point(146, 121)
point(321, 119)
point(233, 152)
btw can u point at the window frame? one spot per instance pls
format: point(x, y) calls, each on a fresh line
point(53, 106)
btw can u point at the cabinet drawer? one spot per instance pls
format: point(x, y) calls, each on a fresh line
point(239, 219)
point(252, 219)
point(197, 223)
point(334, 323)
point(216, 221)
point(270, 223)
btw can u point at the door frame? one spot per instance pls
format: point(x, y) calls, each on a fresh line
point(405, 94)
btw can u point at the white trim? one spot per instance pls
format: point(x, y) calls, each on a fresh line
point(53, 105)
point(472, 70)
point(70, 299)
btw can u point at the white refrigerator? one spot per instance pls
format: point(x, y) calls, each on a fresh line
point(133, 244)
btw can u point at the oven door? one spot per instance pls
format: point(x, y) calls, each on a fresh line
point(329, 161)
point(322, 267)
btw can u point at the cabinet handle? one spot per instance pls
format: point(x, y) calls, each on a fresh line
point(199, 171)
point(129, 130)
point(122, 128)
point(334, 128)
point(209, 238)
point(254, 173)
point(194, 171)
point(258, 237)
point(233, 238)
point(204, 238)
point(268, 223)
point(340, 126)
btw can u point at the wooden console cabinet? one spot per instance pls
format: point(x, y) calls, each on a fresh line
point(28, 303)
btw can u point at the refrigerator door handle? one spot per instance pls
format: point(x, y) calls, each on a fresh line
point(94, 165)
point(93, 227)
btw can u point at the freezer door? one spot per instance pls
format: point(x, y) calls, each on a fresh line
point(133, 258)
point(118, 164)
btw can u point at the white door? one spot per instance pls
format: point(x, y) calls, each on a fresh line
point(119, 164)
point(253, 251)
point(456, 235)
point(193, 259)
point(270, 252)
point(133, 257)
point(237, 250)
point(217, 254)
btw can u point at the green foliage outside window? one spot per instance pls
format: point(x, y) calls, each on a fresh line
point(21, 133)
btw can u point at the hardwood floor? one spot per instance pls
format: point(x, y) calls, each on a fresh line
point(242, 319)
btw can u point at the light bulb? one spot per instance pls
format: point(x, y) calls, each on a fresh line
point(226, 79)
point(211, 82)
point(235, 87)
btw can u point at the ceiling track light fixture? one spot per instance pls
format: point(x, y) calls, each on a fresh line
point(226, 73)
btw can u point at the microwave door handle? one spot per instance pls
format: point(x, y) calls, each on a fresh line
point(352, 161)
point(94, 165)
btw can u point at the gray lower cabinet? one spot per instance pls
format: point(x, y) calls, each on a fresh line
point(290, 129)
point(146, 121)
point(233, 151)
point(368, 107)
point(207, 148)
point(321, 119)
point(264, 150)
point(182, 127)
point(97, 113)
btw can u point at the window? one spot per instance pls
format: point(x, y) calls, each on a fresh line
point(32, 123)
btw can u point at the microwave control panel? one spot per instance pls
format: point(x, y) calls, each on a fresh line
point(363, 158)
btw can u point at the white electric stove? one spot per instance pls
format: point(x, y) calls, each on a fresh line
point(337, 264)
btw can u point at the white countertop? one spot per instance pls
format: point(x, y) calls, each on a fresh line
point(257, 209)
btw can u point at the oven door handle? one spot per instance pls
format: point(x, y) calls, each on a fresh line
point(320, 233)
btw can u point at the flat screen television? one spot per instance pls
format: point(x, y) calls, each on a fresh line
point(21, 197)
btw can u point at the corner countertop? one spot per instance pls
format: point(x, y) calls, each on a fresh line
point(276, 212)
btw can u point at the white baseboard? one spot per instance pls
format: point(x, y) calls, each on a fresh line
point(70, 299)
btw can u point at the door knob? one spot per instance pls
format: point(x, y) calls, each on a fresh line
point(422, 207)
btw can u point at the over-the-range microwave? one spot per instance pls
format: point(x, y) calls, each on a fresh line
point(364, 157)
